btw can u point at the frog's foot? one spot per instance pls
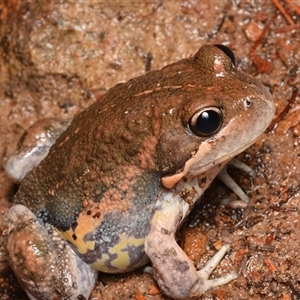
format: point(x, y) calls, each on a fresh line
point(211, 265)
point(172, 269)
point(205, 272)
point(34, 146)
point(44, 263)
point(225, 177)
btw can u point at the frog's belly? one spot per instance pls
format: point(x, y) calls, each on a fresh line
point(114, 245)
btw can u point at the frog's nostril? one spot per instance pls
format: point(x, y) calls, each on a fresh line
point(206, 122)
point(247, 103)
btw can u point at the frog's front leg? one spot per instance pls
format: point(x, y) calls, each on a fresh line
point(45, 265)
point(173, 270)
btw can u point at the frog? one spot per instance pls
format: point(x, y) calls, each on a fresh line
point(121, 178)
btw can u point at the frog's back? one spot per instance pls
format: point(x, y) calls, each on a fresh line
point(106, 155)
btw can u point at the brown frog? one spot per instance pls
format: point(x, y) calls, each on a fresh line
point(120, 180)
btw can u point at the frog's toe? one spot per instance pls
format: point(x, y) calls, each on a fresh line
point(226, 179)
point(210, 266)
point(148, 270)
point(44, 264)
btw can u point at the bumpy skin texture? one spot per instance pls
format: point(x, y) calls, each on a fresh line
point(45, 265)
point(133, 148)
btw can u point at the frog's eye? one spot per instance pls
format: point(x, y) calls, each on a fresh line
point(206, 122)
point(227, 51)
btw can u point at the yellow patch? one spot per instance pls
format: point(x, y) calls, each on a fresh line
point(122, 261)
point(81, 245)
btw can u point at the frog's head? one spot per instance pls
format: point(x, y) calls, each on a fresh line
point(223, 112)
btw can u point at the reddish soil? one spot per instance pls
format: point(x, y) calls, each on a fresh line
point(56, 59)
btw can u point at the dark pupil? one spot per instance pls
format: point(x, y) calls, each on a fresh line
point(208, 122)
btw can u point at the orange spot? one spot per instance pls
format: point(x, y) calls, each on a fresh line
point(139, 296)
point(147, 153)
point(51, 192)
point(153, 290)
point(65, 140)
point(84, 203)
point(144, 93)
point(59, 184)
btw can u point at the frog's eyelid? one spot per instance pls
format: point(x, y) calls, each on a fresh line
point(227, 51)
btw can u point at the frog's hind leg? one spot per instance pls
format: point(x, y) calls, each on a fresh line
point(173, 270)
point(34, 146)
point(44, 263)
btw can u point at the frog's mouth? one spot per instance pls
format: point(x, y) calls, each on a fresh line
point(195, 167)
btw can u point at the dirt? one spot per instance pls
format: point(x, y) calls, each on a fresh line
point(58, 58)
